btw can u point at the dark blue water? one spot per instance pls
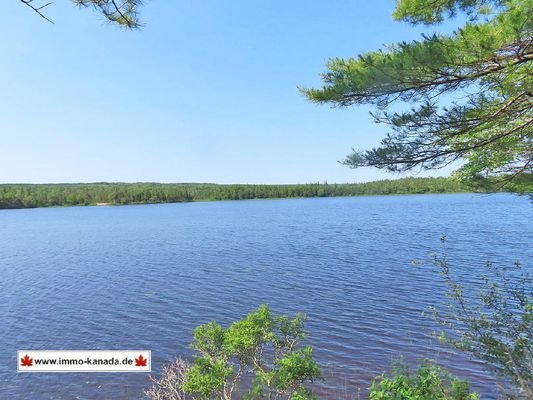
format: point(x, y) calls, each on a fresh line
point(143, 277)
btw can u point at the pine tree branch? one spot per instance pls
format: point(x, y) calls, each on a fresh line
point(38, 9)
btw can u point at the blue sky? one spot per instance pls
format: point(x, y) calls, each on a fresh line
point(205, 92)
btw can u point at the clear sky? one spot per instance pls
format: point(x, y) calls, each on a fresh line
point(205, 92)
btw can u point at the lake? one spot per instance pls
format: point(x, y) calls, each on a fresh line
point(143, 277)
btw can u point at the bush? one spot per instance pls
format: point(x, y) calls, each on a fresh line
point(260, 350)
point(430, 382)
point(498, 328)
point(169, 385)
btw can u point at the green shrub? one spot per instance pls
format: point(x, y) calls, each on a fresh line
point(497, 327)
point(430, 382)
point(260, 350)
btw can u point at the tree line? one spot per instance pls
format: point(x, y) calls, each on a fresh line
point(14, 196)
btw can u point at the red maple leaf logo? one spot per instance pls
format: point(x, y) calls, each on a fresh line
point(140, 361)
point(26, 361)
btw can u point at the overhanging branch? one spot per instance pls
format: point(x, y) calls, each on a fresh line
point(38, 9)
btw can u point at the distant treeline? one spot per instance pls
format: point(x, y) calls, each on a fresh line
point(77, 194)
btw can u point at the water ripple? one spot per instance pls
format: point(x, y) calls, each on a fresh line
point(146, 276)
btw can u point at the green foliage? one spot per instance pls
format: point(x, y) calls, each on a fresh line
point(430, 382)
point(469, 93)
point(256, 357)
point(416, 11)
point(522, 184)
point(123, 12)
point(296, 366)
point(209, 340)
point(206, 378)
point(498, 328)
point(49, 195)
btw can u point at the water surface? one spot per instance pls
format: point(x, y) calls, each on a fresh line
point(145, 276)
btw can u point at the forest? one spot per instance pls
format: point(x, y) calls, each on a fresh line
point(13, 196)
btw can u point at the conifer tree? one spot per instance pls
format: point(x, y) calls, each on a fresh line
point(467, 95)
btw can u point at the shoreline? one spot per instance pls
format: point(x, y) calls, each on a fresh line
point(255, 199)
point(20, 196)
